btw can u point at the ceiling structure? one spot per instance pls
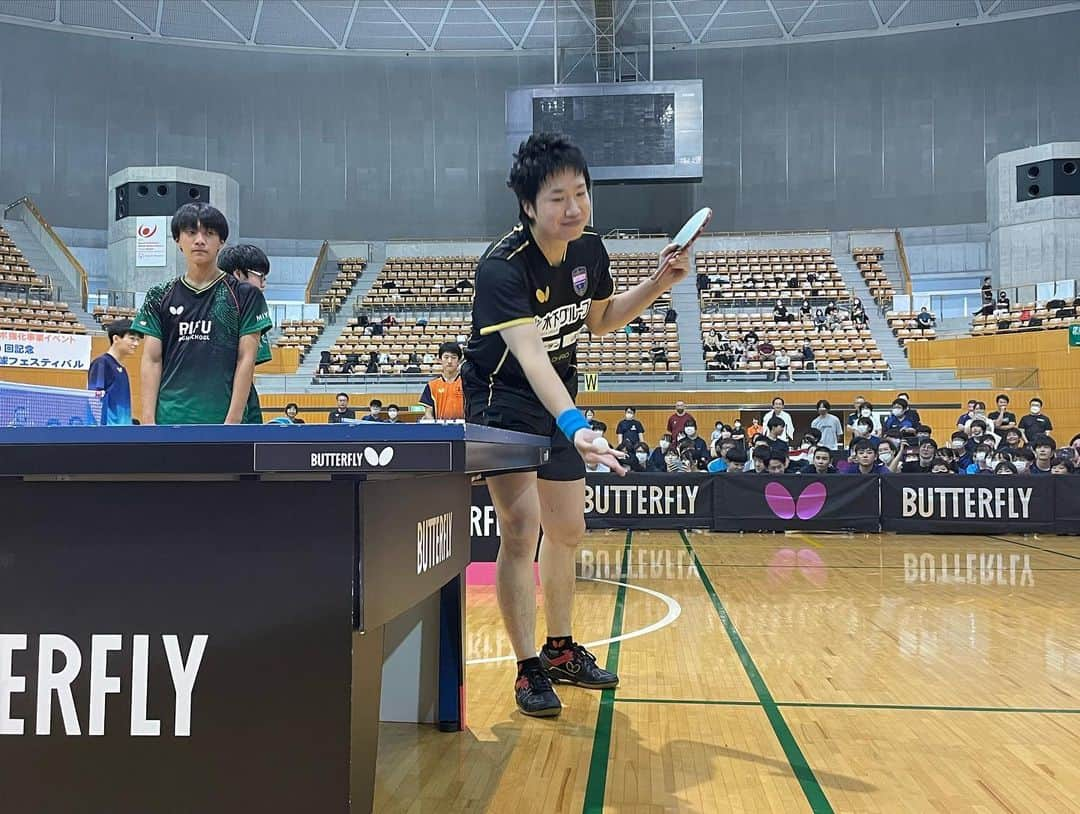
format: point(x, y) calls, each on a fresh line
point(508, 26)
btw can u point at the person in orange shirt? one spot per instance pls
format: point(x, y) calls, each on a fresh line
point(442, 397)
point(752, 430)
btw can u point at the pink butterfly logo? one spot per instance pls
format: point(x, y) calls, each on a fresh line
point(784, 506)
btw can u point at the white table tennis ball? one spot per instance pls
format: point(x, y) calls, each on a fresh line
point(600, 445)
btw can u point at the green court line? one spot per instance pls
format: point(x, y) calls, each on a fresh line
point(828, 705)
point(811, 788)
point(596, 785)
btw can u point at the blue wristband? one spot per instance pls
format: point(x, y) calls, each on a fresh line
point(570, 421)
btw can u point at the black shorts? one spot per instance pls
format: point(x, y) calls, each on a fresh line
point(519, 410)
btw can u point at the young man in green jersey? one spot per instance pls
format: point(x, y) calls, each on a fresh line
point(249, 264)
point(202, 331)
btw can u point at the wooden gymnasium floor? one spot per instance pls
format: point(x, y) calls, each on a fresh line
point(805, 672)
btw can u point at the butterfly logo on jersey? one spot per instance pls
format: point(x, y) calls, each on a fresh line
point(580, 278)
point(176, 310)
point(809, 505)
point(543, 296)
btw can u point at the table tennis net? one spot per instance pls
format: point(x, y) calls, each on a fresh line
point(27, 405)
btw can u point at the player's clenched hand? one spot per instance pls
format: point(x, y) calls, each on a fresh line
point(584, 443)
point(672, 267)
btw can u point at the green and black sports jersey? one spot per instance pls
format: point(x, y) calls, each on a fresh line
point(253, 408)
point(200, 336)
point(515, 285)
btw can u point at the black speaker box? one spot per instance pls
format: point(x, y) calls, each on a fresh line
point(1042, 179)
point(157, 197)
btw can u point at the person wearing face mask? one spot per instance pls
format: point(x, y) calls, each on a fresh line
point(1035, 423)
point(897, 418)
point(800, 455)
point(677, 421)
point(1006, 468)
point(655, 462)
point(1024, 460)
point(866, 410)
point(738, 434)
point(590, 416)
point(980, 434)
point(982, 463)
point(392, 414)
point(958, 445)
point(863, 430)
point(699, 450)
point(629, 430)
point(887, 453)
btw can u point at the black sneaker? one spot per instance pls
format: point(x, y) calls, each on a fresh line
point(534, 694)
point(576, 665)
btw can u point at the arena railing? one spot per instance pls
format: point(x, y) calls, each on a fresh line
point(51, 242)
point(320, 261)
point(695, 380)
point(905, 270)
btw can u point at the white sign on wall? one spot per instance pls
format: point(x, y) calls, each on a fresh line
point(30, 348)
point(151, 242)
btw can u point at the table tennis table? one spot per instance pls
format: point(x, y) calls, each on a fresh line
point(216, 618)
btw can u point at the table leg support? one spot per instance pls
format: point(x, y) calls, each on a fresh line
point(452, 655)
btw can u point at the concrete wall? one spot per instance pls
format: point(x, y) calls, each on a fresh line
point(876, 131)
point(1031, 241)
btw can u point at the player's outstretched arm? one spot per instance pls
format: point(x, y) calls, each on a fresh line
point(528, 348)
point(242, 377)
point(615, 312)
point(150, 378)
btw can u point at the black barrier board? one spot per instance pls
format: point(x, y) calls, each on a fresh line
point(1066, 504)
point(649, 501)
point(639, 501)
point(967, 505)
point(792, 502)
point(189, 632)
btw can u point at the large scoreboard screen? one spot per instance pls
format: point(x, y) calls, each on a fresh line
point(613, 131)
point(628, 132)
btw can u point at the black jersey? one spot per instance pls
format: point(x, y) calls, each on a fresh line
point(515, 285)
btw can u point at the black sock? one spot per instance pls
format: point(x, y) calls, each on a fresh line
point(526, 663)
point(559, 643)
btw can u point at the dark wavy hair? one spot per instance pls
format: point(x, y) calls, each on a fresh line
point(539, 157)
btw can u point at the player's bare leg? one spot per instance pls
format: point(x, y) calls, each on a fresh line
point(562, 517)
point(518, 509)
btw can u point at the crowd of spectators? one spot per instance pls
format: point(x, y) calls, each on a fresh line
point(898, 442)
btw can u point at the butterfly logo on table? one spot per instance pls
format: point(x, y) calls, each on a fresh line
point(808, 505)
point(374, 458)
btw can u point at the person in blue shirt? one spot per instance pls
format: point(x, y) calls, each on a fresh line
point(982, 462)
point(899, 419)
point(863, 430)
point(656, 462)
point(107, 376)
